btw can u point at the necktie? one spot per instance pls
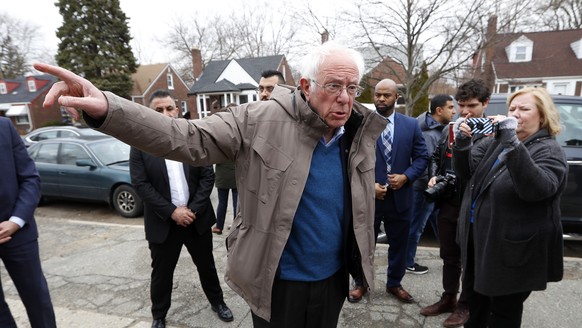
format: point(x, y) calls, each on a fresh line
point(387, 142)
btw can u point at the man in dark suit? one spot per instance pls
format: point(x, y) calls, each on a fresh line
point(177, 211)
point(401, 157)
point(19, 196)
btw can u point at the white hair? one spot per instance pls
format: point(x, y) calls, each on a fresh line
point(313, 60)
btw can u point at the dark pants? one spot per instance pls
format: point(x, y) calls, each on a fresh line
point(397, 227)
point(297, 304)
point(23, 265)
point(164, 259)
point(450, 252)
point(223, 204)
point(496, 311)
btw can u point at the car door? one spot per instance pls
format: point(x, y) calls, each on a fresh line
point(79, 181)
point(571, 141)
point(45, 158)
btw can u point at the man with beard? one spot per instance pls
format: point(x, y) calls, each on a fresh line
point(269, 79)
point(401, 157)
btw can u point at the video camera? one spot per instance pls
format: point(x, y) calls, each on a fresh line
point(444, 186)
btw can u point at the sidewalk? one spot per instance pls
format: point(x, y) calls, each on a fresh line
point(99, 277)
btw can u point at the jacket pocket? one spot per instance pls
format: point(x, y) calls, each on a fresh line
point(522, 253)
point(266, 168)
point(367, 164)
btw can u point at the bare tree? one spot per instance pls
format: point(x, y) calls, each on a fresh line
point(16, 46)
point(561, 14)
point(252, 33)
point(444, 34)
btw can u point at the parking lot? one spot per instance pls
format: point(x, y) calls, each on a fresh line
point(97, 267)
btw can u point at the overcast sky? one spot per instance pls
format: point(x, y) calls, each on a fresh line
point(148, 21)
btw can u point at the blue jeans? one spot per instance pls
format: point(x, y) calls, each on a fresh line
point(223, 204)
point(421, 212)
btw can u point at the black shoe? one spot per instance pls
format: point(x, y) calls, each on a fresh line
point(417, 269)
point(159, 323)
point(223, 312)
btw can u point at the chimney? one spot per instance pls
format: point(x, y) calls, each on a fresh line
point(324, 36)
point(489, 51)
point(196, 62)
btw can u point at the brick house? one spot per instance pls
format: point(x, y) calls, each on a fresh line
point(232, 81)
point(149, 78)
point(21, 100)
point(511, 61)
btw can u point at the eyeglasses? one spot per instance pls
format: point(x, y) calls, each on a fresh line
point(334, 89)
point(262, 88)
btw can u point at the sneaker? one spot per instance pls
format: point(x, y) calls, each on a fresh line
point(417, 269)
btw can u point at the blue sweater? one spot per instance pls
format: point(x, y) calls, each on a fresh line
point(314, 248)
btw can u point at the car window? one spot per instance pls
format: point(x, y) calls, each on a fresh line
point(47, 153)
point(68, 134)
point(71, 153)
point(110, 151)
point(44, 135)
point(571, 120)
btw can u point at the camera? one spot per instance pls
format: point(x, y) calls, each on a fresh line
point(443, 187)
point(481, 125)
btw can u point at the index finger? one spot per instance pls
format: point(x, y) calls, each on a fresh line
point(64, 75)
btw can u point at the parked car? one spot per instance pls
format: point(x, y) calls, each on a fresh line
point(51, 132)
point(91, 168)
point(570, 108)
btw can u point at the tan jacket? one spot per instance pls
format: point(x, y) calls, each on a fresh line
point(271, 143)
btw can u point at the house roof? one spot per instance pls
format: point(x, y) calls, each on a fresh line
point(145, 76)
point(253, 67)
point(21, 93)
point(552, 55)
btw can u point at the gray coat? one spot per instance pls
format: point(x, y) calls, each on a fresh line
point(517, 235)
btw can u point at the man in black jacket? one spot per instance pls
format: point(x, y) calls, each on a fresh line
point(472, 98)
point(177, 211)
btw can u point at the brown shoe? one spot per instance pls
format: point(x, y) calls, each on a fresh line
point(401, 294)
point(458, 318)
point(216, 231)
point(447, 303)
point(356, 294)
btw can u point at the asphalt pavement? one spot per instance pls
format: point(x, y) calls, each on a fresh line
point(98, 274)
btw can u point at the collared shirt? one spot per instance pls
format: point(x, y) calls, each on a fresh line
point(178, 184)
point(338, 133)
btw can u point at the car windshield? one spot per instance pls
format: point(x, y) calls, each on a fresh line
point(110, 151)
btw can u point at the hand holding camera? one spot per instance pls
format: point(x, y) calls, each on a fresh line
point(506, 131)
point(443, 188)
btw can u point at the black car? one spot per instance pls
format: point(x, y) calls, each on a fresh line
point(570, 108)
point(92, 168)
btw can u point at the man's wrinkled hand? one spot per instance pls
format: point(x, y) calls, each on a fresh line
point(74, 93)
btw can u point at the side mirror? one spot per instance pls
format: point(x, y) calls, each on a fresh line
point(86, 162)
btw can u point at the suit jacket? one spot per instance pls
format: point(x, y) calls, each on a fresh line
point(409, 157)
point(19, 184)
point(149, 176)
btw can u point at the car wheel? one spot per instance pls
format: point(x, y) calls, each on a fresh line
point(126, 202)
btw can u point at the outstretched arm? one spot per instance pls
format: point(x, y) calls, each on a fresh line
point(74, 93)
